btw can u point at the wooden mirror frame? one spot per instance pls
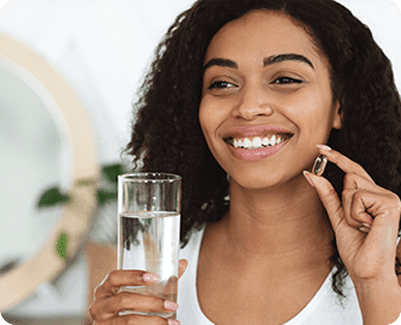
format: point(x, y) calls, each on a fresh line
point(23, 280)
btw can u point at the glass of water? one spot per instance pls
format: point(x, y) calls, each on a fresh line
point(149, 231)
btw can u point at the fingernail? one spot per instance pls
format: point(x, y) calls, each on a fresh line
point(364, 229)
point(366, 225)
point(306, 174)
point(170, 305)
point(173, 322)
point(150, 277)
point(324, 147)
point(182, 263)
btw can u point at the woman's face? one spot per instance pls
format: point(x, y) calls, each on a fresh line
point(266, 99)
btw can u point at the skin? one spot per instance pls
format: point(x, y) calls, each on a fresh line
point(275, 237)
point(108, 302)
point(268, 256)
point(256, 95)
point(369, 254)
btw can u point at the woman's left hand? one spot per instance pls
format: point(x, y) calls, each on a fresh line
point(365, 220)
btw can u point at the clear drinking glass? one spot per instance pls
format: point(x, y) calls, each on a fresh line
point(149, 231)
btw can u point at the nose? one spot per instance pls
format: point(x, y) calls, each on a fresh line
point(253, 102)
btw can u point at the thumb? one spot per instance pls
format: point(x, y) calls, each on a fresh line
point(182, 265)
point(329, 198)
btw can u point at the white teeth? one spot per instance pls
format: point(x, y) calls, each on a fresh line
point(273, 140)
point(257, 142)
point(247, 143)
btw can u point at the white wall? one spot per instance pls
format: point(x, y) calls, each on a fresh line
point(110, 40)
point(103, 47)
point(110, 43)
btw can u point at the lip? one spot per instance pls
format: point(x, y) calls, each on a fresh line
point(252, 131)
point(257, 154)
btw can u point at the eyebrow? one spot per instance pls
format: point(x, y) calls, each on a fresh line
point(286, 57)
point(226, 63)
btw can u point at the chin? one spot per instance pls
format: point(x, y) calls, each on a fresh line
point(256, 180)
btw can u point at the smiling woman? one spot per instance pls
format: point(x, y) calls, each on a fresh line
point(270, 89)
point(241, 99)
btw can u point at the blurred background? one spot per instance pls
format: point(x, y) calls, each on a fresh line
point(101, 50)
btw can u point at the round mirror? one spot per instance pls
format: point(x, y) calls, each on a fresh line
point(46, 140)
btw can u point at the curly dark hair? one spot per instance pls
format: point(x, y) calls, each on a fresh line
point(166, 134)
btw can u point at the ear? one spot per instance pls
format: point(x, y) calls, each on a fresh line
point(337, 115)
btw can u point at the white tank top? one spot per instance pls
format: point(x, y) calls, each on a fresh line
point(323, 309)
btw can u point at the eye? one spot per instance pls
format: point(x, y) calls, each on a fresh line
point(221, 85)
point(287, 80)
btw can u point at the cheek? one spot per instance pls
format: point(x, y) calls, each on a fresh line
point(207, 122)
point(314, 121)
point(203, 119)
point(211, 116)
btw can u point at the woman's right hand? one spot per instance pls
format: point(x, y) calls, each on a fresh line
point(108, 302)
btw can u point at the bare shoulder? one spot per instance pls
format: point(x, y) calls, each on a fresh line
point(399, 260)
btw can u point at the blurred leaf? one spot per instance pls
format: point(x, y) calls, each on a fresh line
point(8, 266)
point(53, 196)
point(103, 196)
point(111, 172)
point(62, 246)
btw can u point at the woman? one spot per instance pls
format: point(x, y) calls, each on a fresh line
point(240, 101)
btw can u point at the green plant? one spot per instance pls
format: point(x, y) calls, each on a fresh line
point(106, 192)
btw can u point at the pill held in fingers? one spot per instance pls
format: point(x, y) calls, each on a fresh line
point(319, 165)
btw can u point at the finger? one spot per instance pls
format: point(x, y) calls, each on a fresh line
point(355, 213)
point(182, 265)
point(107, 308)
point(384, 207)
point(329, 198)
point(137, 320)
point(355, 181)
point(382, 238)
point(363, 201)
point(119, 278)
point(347, 203)
point(169, 291)
point(354, 184)
point(343, 162)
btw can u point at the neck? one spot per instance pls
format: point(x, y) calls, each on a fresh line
point(288, 222)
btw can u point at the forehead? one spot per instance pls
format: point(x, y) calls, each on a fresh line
point(260, 34)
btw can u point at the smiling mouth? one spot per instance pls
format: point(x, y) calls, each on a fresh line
point(258, 142)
